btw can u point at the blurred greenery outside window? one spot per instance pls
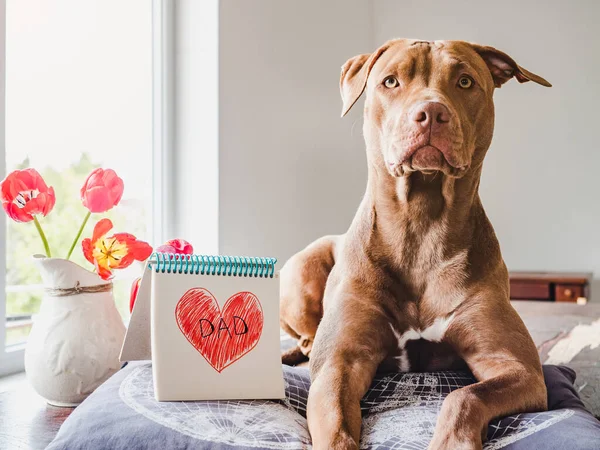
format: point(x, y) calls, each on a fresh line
point(78, 96)
point(24, 288)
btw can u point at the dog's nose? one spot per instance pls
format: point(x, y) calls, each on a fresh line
point(431, 114)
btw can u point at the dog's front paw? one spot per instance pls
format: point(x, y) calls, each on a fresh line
point(452, 441)
point(341, 441)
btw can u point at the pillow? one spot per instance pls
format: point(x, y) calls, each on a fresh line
point(399, 412)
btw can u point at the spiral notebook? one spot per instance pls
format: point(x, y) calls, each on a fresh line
point(210, 325)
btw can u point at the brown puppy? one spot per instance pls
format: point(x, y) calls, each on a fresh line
point(418, 281)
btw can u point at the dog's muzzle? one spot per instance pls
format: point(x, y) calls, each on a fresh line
point(432, 143)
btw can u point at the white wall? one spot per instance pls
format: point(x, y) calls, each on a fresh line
point(290, 169)
point(540, 182)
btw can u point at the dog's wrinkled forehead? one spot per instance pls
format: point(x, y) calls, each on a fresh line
point(429, 61)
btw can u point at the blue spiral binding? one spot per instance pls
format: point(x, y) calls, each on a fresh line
point(231, 266)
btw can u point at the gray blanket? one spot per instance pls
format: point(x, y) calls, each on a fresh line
point(399, 412)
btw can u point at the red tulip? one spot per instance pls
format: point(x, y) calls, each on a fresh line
point(113, 252)
point(135, 287)
point(24, 193)
point(102, 190)
point(177, 246)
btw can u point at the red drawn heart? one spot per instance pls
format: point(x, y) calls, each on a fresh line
point(222, 337)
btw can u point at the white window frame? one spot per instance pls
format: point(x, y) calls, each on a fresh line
point(163, 118)
point(12, 358)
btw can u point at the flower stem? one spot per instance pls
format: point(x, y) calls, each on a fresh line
point(87, 216)
point(43, 236)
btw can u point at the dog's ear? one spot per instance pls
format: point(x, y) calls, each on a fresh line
point(503, 67)
point(354, 76)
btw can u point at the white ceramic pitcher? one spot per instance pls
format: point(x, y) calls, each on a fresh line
point(76, 337)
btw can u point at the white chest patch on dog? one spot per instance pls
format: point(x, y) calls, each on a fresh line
point(433, 333)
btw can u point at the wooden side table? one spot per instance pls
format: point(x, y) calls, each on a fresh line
point(26, 421)
point(550, 286)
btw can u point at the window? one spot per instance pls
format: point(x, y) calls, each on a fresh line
point(78, 96)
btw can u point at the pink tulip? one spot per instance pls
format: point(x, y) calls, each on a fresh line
point(135, 287)
point(177, 246)
point(102, 190)
point(24, 193)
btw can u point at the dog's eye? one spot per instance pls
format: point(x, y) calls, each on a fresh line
point(465, 82)
point(391, 82)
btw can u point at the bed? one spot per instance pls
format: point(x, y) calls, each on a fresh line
point(399, 410)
